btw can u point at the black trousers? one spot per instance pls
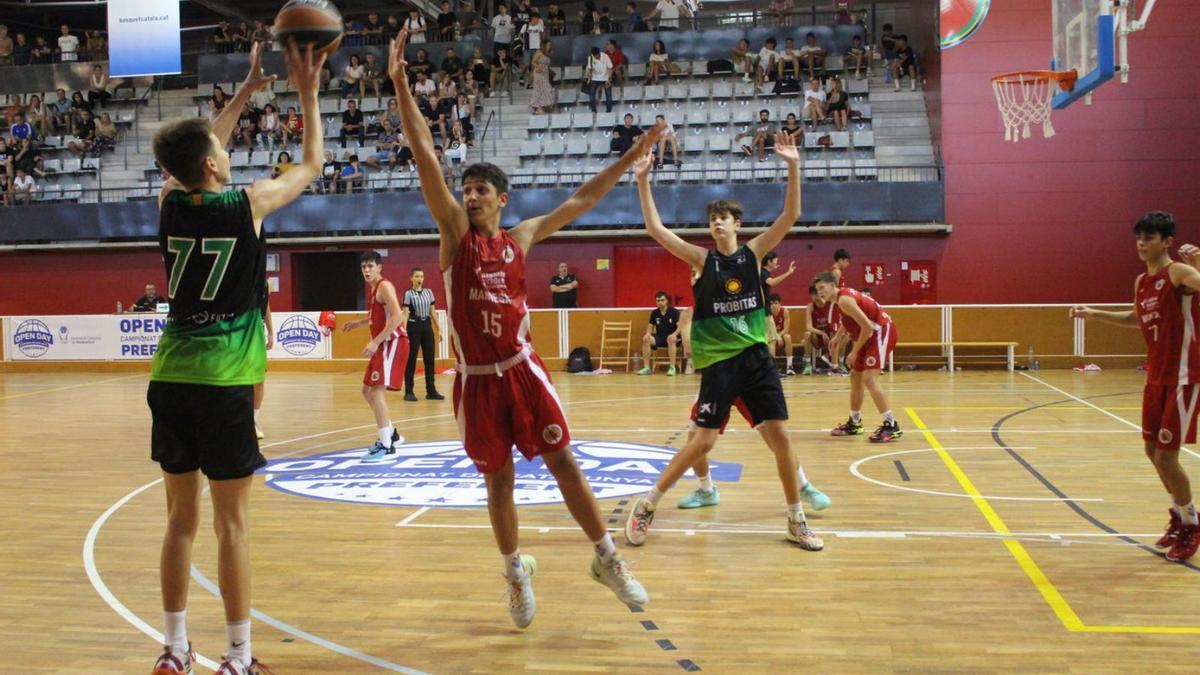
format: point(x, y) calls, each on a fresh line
point(420, 336)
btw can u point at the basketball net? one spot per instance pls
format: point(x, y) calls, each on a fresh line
point(1025, 99)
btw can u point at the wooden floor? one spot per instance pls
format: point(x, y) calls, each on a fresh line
point(954, 549)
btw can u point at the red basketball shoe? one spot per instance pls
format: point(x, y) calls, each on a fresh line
point(1186, 543)
point(171, 663)
point(1168, 538)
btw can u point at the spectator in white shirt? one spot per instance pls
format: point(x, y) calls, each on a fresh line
point(415, 24)
point(812, 55)
point(599, 70)
point(502, 29)
point(814, 103)
point(790, 56)
point(22, 188)
point(424, 86)
point(766, 63)
point(532, 33)
point(659, 64)
point(668, 140)
point(668, 13)
point(68, 45)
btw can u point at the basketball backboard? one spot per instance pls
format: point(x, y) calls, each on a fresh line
point(1084, 41)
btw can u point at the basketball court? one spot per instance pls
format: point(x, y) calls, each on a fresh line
point(1007, 531)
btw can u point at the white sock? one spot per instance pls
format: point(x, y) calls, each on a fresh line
point(706, 483)
point(385, 435)
point(1187, 513)
point(653, 496)
point(175, 633)
point(800, 475)
point(238, 635)
point(856, 415)
point(796, 511)
point(513, 569)
point(789, 360)
point(256, 411)
point(605, 548)
point(889, 417)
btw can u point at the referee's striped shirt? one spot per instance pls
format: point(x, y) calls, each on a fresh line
point(419, 303)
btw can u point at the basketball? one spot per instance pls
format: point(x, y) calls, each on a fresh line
point(315, 22)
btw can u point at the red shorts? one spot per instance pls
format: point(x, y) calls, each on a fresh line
point(1169, 414)
point(874, 354)
point(738, 403)
point(386, 368)
point(519, 408)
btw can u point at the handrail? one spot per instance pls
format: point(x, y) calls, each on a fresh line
point(483, 136)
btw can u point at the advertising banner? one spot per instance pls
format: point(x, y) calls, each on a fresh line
point(143, 38)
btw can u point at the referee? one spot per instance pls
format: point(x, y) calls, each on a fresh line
point(419, 301)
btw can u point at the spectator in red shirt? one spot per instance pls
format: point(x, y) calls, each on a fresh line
point(618, 61)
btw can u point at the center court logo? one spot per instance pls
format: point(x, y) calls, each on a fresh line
point(439, 473)
point(33, 338)
point(298, 335)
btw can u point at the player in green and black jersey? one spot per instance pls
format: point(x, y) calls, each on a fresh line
point(729, 343)
point(213, 350)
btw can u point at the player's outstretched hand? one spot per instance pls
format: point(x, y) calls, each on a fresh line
point(304, 67)
point(641, 167)
point(256, 79)
point(397, 66)
point(785, 147)
point(791, 267)
point(1081, 312)
point(1190, 254)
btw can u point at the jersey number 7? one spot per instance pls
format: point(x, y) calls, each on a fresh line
point(182, 247)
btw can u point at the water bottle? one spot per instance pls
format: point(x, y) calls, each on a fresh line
point(119, 307)
point(1037, 365)
point(1029, 362)
point(637, 362)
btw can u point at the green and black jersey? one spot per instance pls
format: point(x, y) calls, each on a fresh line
point(216, 272)
point(729, 315)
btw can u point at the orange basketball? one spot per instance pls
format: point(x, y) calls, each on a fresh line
point(315, 22)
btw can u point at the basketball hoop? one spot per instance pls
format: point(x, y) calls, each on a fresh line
point(1025, 97)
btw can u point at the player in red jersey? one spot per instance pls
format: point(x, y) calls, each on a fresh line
point(873, 337)
point(387, 349)
point(502, 393)
point(837, 346)
point(783, 326)
point(1167, 311)
point(817, 330)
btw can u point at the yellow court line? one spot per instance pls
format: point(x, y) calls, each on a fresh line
point(1062, 609)
point(72, 386)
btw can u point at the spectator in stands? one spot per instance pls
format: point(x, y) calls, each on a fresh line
point(351, 177)
point(781, 12)
point(480, 67)
point(420, 64)
point(352, 77)
point(469, 22)
point(25, 157)
point(599, 74)
point(6, 158)
point(661, 331)
point(404, 156)
point(589, 19)
point(424, 86)
point(283, 164)
point(330, 171)
point(668, 13)
point(42, 53)
point(812, 55)
point(501, 71)
point(247, 127)
point(270, 128)
point(14, 107)
point(352, 123)
point(520, 11)
point(78, 105)
point(98, 87)
point(742, 60)
point(564, 288)
point(22, 51)
point(624, 135)
point(765, 63)
point(544, 95)
point(453, 65)
point(789, 59)
point(373, 30)
point(68, 45)
point(35, 114)
point(470, 88)
point(6, 47)
point(106, 134)
point(373, 74)
point(659, 63)
point(241, 37)
point(838, 104)
point(556, 19)
point(447, 23)
point(416, 26)
point(814, 103)
point(763, 135)
point(215, 105)
point(20, 129)
point(391, 28)
point(352, 33)
point(5, 190)
point(793, 128)
point(149, 301)
point(393, 113)
point(448, 173)
point(619, 62)
point(634, 18)
point(457, 150)
point(222, 38)
point(293, 127)
point(385, 148)
point(857, 55)
point(905, 63)
point(463, 114)
point(59, 111)
point(533, 34)
point(502, 30)
point(260, 33)
point(667, 140)
point(887, 47)
point(447, 91)
point(434, 117)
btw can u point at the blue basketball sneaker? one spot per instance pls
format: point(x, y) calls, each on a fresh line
point(700, 498)
point(382, 453)
point(815, 498)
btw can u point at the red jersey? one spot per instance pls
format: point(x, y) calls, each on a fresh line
point(839, 273)
point(779, 319)
point(1168, 317)
point(820, 316)
point(377, 312)
point(874, 312)
point(485, 291)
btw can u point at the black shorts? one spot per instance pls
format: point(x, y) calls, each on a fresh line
point(205, 427)
point(660, 341)
point(751, 376)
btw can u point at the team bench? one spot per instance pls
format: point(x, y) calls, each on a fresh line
point(949, 347)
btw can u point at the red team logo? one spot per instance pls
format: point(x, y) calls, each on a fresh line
point(552, 434)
